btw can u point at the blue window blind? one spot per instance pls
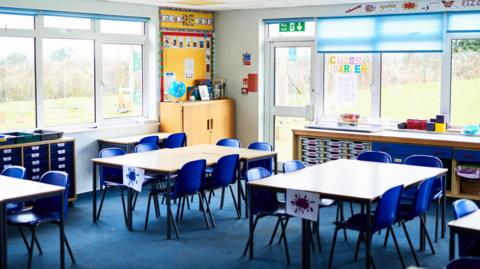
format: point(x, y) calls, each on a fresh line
point(35, 12)
point(275, 21)
point(463, 22)
point(392, 33)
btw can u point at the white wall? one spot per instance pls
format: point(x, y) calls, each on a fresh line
point(86, 140)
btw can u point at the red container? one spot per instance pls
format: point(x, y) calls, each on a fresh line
point(416, 124)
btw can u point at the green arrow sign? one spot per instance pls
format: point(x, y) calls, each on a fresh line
point(298, 26)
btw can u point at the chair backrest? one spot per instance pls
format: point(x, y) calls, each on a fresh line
point(177, 140)
point(14, 171)
point(109, 173)
point(267, 163)
point(229, 142)
point(190, 178)
point(421, 202)
point(463, 207)
point(427, 161)
point(293, 165)
point(261, 199)
point(387, 208)
point(146, 147)
point(464, 263)
point(375, 156)
point(52, 204)
point(224, 172)
point(152, 139)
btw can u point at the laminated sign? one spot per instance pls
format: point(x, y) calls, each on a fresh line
point(303, 204)
point(133, 177)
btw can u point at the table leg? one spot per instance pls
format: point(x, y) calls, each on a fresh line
point(451, 246)
point(444, 204)
point(3, 235)
point(246, 190)
point(250, 221)
point(305, 244)
point(169, 209)
point(275, 164)
point(94, 193)
point(369, 235)
point(129, 209)
point(422, 234)
point(62, 230)
point(239, 195)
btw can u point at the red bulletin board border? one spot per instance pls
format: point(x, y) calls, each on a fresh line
point(170, 33)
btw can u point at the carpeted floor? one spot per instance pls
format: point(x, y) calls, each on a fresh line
point(108, 244)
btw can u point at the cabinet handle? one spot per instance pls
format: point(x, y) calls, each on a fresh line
point(211, 123)
point(208, 124)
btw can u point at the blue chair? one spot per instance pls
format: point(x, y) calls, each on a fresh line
point(229, 142)
point(384, 217)
point(375, 156)
point(19, 173)
point(416, 209)
point(111, 178)
point(143, 147)
point(268, 163)
point(467, 246)
point(152, 139)
point(44, 210)
point(464, 263)
point(177, 140)
point(223, 175)
point(265, 203)
point(437, 188)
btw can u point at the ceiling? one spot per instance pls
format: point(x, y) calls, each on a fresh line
point(241, 4)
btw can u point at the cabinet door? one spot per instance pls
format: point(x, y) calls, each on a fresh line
point(196, 123)
point(223, 118)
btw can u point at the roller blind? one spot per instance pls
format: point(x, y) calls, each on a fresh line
point(392, 33)
point(463, 22)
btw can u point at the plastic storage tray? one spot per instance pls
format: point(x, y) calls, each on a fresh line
point(48, 135)
point(21, 137)
point(6, 139)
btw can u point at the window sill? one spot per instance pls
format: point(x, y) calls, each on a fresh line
point(112, 127)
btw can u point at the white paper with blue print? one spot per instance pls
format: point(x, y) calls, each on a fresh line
point(133, 177)
point(303, 204)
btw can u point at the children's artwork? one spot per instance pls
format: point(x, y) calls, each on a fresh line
point(303, 204)
point(347, 64)
point(345, 86)
point(180, 42)
point(202, 43)
point(247, 58)
point(167, 42)
point(133, 177)
point(169, 79)
point(189, 67)
point(194, 42)
point(203, 90)
point(188, 42)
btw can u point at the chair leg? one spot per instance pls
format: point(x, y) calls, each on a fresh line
point(222, 197)
point(234, 201)
point(317, 231)
point(407, 235)
point(202, 208)
point(172, 219)
point(285, 244)
point(428, 236)
point(342, 218)
point(148, 212)
point(396, 246)
point(209, 212)
point(351, 208)
point(210, 196)
point(282, 235)
point(135, 197)
point(177, 214)
point(386, 238)
point(332, 250)
point(182, 201)
point(436, 221)
point(310, 233)
point(32, 242)
point(123, 207)
point(274, 231)
point(104, 192)
point(156, 204)
point(24, 239)
point(253, 230)
point(69, 249)
point(188, 203)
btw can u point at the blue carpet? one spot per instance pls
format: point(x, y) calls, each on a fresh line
point(108, 244)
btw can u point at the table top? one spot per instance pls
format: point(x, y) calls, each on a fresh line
point(351, 179)
point(132, 139)
point(13, 189)
point(171, 160)
point(468, 222)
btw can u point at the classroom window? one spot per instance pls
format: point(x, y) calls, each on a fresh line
point(67, 23)
point(283, 135)
point(68, 79)
point(465, 93)
point(410, 85)
point(122, 27)
point(122, 80)
point(348, 83)
point(17, 83)
point(8, 21)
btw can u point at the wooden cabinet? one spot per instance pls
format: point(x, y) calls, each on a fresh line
point(204, 122)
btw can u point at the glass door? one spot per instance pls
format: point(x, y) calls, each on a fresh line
point(290, 91)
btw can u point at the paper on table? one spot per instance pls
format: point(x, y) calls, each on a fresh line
point(303, 204)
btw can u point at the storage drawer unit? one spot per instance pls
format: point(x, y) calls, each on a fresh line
point(316, 150)
point(464, 155)
point(9, 157)
point(405, 150)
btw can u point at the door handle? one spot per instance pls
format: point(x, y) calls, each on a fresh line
point(211, 123)
point(208, 124)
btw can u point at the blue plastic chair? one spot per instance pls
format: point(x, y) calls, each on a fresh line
point(152, 139)
point(464, 263)
point(267, 163)
point(229, 142)
point(437, 188)
point(146, 147)
point(375, 156)
point(265, 203)
point(223, 175)
point(384, 217)
point(467, 246)
point(177, 140)
point(19, 173)
point(111, 178)
point(44, 210)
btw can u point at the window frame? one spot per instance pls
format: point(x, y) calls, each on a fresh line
point(39, 33)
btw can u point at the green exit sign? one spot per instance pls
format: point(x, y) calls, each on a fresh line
point(298, 26)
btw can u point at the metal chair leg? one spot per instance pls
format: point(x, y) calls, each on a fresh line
point(253, 230)
point(148, 212)
point(332, 250)
point(135, 197)
point(24, 239)
point(104, 192)
point(428, 236)
point(177, 214)
point(274, 231)
point(396, 246)
point(234, 202)
point(200, 199)
point(222, 197)
point(436, 221)
point(32, 242)
point(209, 212)
point(285, 244)
point(69, 249)
point(412, 250)
point(386, 238)
point(357, 245)
point(182, 201)
point(282, 235)
point(172, 219)
point(123, 207)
